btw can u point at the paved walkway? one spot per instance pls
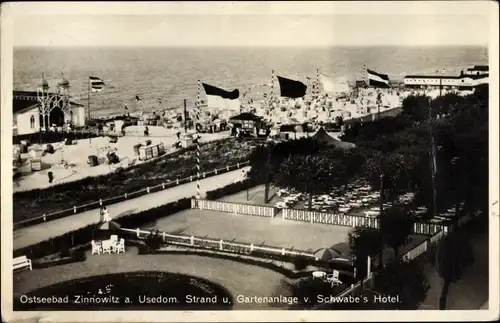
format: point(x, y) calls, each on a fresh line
point(39, 232)
point(471, 291)
point(238, 278)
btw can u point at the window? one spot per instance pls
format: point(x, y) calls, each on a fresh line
point(32, 122)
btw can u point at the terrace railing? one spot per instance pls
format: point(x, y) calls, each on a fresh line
point(119, 198)
point(408, 256)
point(220, 245)
point(237, 208)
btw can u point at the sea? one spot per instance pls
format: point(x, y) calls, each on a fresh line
point(172, 74)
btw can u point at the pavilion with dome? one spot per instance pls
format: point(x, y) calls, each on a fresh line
point(36, 111)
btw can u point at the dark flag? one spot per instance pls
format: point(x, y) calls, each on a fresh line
point(291, 89)
point(138, 98)
point(377, 80)
point(219, 98)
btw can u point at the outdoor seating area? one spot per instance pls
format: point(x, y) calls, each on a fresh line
point(332, 279)
point(358, 195)
point(290, 198)
point(112, 245)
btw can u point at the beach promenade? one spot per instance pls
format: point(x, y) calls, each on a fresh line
point(39, 232)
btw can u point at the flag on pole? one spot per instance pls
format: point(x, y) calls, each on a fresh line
point(377, 80)
point(222, 99)
point(138, 98)
point(96, 84)
point(291, 88)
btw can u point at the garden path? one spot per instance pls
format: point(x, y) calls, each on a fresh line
point(36, 233)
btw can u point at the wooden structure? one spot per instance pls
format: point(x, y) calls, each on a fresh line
point(151, 151)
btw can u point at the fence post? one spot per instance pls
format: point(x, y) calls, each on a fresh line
point(251, 247)
point(312, 218)
point(44, 218)
point(192, 240)
point(283, 252)
point(100, 202)
point(74, 209)
point(221, 244)
point(215, 171)
point(125, 195)
point(203, 174)
point(238, 165)
point(227, 167)
point(163, 185)
point(138, 233)
point(147, 189)
point(164, 237)
point(190, 178)
point(177, 181)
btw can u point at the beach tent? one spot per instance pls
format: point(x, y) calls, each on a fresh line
point(325, 138)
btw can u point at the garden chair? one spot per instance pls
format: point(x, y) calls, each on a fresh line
point(114, 237)
point(333, 278)
point(96, 247)
point(119, 247)
point(107, 246)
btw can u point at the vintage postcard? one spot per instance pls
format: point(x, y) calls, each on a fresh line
point(249, 161)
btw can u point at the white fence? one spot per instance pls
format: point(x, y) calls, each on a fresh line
point(330, 218)
point(115, 199)
point(237, 208)
point(353, 221)
point(220, 245)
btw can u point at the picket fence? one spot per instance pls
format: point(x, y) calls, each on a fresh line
point(236, 208)
point(150, 189)
point(408, 256)
point(353, 221)
point(219, 244)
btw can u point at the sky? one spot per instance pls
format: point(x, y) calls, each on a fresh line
point(259, 28)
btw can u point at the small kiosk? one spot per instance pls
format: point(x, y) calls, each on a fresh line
point(151, 151)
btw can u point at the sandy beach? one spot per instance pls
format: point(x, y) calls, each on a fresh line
point(76, 156)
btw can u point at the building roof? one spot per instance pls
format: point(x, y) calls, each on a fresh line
point(289, 127)
point(246, 116)
point(483, 68)
point(323, 137)
point(26, 100)
point(445, 77)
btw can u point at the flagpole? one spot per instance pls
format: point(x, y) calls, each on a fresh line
point(88, 112)
point(271, 99)
point(433, 162)
point(198, 163)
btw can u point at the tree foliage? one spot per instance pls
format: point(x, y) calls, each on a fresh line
point(454, 254)
point(405, 280)
point(396, 225)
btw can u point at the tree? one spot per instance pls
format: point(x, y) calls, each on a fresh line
point(309, 175)
point(404, 280)
point(364, 243)
point(396, 225)
point(454, 254)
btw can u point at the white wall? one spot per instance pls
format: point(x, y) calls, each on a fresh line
point(23, 121)
point(78, 118)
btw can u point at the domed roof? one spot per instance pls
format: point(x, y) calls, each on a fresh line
point(64, 82)
point(44, 84)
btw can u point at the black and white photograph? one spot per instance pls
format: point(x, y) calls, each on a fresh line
point(250, 161)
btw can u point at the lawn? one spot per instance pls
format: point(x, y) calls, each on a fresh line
point(235, 277)
point(218, 154)
point(254, 229)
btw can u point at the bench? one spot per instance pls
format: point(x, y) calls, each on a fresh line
point(22, 263)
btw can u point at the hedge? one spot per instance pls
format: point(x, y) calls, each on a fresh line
point(229, 189)
point(83, 235)
point(51, 137)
